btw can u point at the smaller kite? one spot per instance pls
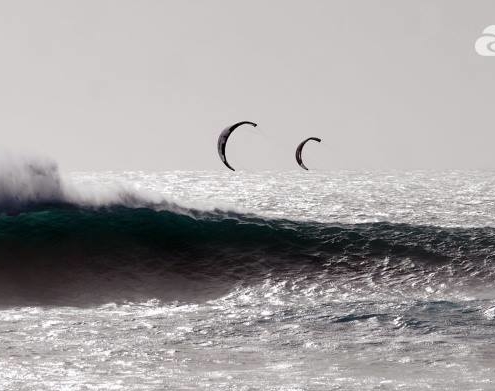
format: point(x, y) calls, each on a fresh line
point(300, 148)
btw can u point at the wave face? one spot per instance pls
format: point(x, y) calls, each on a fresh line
point(49, 250)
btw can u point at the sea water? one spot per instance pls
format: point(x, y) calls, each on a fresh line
point(292, 280)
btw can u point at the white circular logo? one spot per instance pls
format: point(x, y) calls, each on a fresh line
point(485, 45)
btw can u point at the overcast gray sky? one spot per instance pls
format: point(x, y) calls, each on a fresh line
point(150, 84)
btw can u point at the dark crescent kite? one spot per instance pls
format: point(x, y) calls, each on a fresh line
point(224, 136)
point(300, 148)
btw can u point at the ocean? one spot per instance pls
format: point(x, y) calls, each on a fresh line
point(203, 280)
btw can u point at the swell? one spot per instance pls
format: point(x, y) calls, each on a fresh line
point(61, 243)
point(120, 233)
point(62, 252)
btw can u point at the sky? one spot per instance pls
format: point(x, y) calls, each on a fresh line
point(149, 85)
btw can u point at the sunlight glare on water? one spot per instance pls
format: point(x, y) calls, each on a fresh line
point(386, 326)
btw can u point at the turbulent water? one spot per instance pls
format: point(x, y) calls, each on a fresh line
point(246, 281)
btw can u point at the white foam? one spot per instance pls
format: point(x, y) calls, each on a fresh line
point(27, 180)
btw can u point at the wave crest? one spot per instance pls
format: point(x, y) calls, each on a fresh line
point(28, 182)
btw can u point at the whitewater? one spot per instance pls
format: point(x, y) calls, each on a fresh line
point(197, 280)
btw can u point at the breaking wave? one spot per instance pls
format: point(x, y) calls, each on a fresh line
point(58, 245)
